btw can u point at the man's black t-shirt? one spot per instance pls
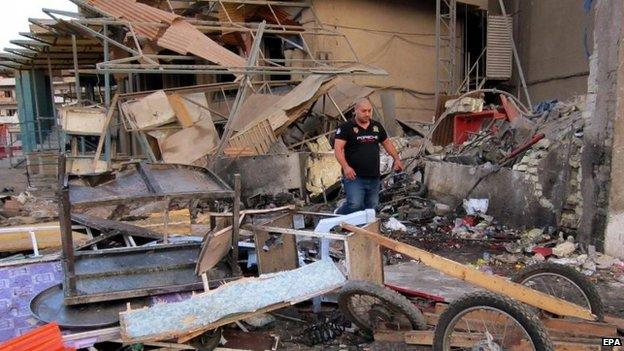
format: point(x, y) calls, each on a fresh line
point(362, 147)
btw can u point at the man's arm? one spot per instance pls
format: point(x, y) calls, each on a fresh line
point(339, 146)
point(392, 151)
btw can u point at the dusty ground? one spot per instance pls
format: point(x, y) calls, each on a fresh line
point(12, 177)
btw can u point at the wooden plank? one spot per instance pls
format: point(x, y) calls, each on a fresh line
point(19, 240)
point(190, 144)
point(104, 131)
point(364, 257)
point(179, 222)
point(150, 111)
point(580, 328)
point(181, 111)
point(107, 225)
point(618, 322)
point(85, 166)
point(281, 256)
point(215, 247)
point(557, 327)
point(490, 282)
point(239, 151)
point(468, 340)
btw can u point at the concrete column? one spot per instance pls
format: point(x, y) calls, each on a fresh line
point(614, 235)
point(600, 117)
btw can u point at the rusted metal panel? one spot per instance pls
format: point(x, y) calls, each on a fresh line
point(163, 180)
point(181, 36)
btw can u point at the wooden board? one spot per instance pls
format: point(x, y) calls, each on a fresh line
point(19, 239)
point(364, 257)
point(150, 111)
point(490, 282)
point(215, 247)
point(180, 110)
point(84, 166)
point(555, 326)
point(467, 340)
point(190, 144)
point(248, 113)
point(281, 257)
point(179, 222)
point(82, 120)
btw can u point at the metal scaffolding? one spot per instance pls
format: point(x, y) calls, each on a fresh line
point(446, 48)
point(81, 43)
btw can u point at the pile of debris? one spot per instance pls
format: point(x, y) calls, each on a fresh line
point(25, 209)
point(504, 135)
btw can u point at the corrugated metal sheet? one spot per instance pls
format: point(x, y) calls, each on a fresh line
point(499, 49)
point(135, 12)
point(46, 338)
point(181, 36)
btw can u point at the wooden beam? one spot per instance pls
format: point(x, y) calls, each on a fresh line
point(580, 328)
point(109, 116)
point(364, 257)
point(47, 236)
point(490, 282)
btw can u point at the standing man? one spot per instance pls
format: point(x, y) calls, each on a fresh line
point(357, 150)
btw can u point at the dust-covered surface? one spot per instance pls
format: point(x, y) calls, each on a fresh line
point(239, 297)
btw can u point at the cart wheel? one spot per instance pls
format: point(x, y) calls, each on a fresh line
point(483, 321)
point(372, 307)
point(563, 282)
point(208, 341)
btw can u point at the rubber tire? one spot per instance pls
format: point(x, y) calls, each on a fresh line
point(388, 296)
point(595, 302)
point(529, 321)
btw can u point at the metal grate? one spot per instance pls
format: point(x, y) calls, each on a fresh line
point(499, 49)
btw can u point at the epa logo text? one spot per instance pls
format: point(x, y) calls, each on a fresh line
point(611, 342)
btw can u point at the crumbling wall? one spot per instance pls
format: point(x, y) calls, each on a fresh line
point(599, 114)
point(523, 198)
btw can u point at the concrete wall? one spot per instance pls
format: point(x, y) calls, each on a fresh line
point(398, 36)
point(511, 197)
point(534, 194)
point(550, 36)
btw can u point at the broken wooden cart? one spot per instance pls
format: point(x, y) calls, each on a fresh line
point(476, 321)
point(568, 316)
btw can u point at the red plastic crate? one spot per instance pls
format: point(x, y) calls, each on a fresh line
point(46, 338)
